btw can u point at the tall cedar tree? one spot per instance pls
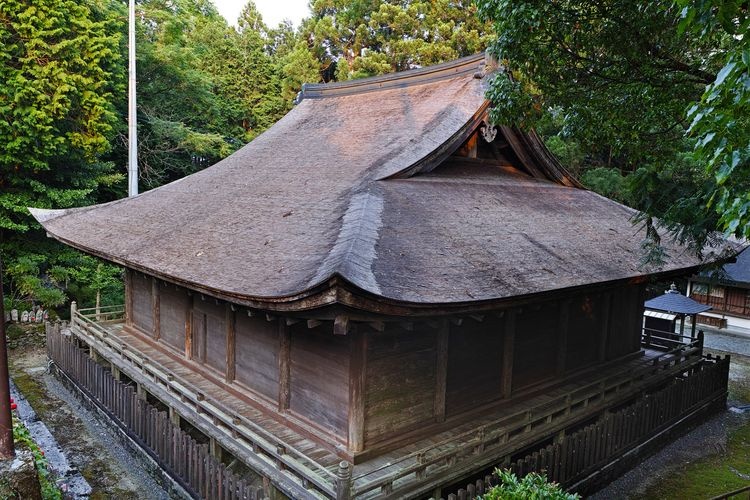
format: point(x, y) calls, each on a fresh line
point(59, 78)
point(358, 38)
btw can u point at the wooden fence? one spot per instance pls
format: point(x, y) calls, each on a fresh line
point(580, 454)
point(187, 461)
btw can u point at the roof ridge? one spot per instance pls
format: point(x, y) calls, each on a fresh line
point(398, 79)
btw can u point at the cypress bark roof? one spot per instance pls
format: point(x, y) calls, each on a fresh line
point(348, 199)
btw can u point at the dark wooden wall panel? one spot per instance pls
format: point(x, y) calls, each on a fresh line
point(535, 348)
point(173, 307)
point(319, 377)
point(475, 353)
point(214, 345)
point(626, 322)
point(584, 331)
point(257, 354)
point(400, 392)
point(143, 311)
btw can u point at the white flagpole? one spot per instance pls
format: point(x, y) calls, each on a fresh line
point(132, 118)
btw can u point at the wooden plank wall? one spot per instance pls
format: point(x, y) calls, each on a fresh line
point(319, 376)
point(304, 368)
point(142, 313)
point(215, 331)
point(257, 354)
point(475, 364)
point(535, 347)
point(400, 388)
point(625, 321)
point(584, 331)
point(173, 309)
point(414, 375)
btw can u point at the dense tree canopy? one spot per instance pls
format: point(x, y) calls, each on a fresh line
point(205, 88)
point(358, 38)
point(59, 81)
point(721, 120)
point(621, 76)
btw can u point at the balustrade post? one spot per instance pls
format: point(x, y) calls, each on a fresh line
point(73, 311)
point(344, 481)
point(700, 341)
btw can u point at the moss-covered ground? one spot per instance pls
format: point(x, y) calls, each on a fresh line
point(726, 466)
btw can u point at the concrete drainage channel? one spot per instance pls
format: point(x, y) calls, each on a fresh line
point(70, 480)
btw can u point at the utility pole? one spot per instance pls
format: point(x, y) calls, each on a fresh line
point(6, 421)
point(132, 117)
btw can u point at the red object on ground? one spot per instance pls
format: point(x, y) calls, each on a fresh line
point(13, 406)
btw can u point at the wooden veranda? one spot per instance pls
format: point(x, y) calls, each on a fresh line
point(299, 467)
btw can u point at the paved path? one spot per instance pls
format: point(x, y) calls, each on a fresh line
point(731, 343)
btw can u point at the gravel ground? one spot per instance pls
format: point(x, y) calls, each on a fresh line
point(89, 445)
point(738, 344)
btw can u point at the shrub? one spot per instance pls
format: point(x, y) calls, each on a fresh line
point(531, 487)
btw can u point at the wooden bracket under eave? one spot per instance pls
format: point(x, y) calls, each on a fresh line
point(341, 325)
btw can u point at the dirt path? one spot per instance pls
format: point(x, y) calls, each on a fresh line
point(110, 470)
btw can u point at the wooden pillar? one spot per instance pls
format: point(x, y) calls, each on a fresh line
point(639, 309)
point(285, 365)
point(155, 304)
point(604, 336)
point(140, 392)
point(215, 449)
point(562, 339)
point(128, 297)
point(357, 386)
point(189, 330)
point(73, 311)
point(230, 372)
point(115, 372)
point(508, 343)
point(693, 321)
point(441, 369)
point(174, 417)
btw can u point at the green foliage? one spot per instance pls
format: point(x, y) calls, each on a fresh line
point(619, 77)
point(22, 438)
point(720, 121)
point(620, 71)
point(298, 67)
point(205, 88)
point(607, 182)
point(358, 38)
point(57, 81)
point(59, 77)
point(531, 487)
point(93, 279)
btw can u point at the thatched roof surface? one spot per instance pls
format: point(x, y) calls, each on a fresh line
point(343, 193)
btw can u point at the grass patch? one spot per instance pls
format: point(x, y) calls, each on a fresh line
point(14, 331)
point(710, 476)
point(33, 391)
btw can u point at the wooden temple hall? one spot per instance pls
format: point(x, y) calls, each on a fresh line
point(383, 295)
